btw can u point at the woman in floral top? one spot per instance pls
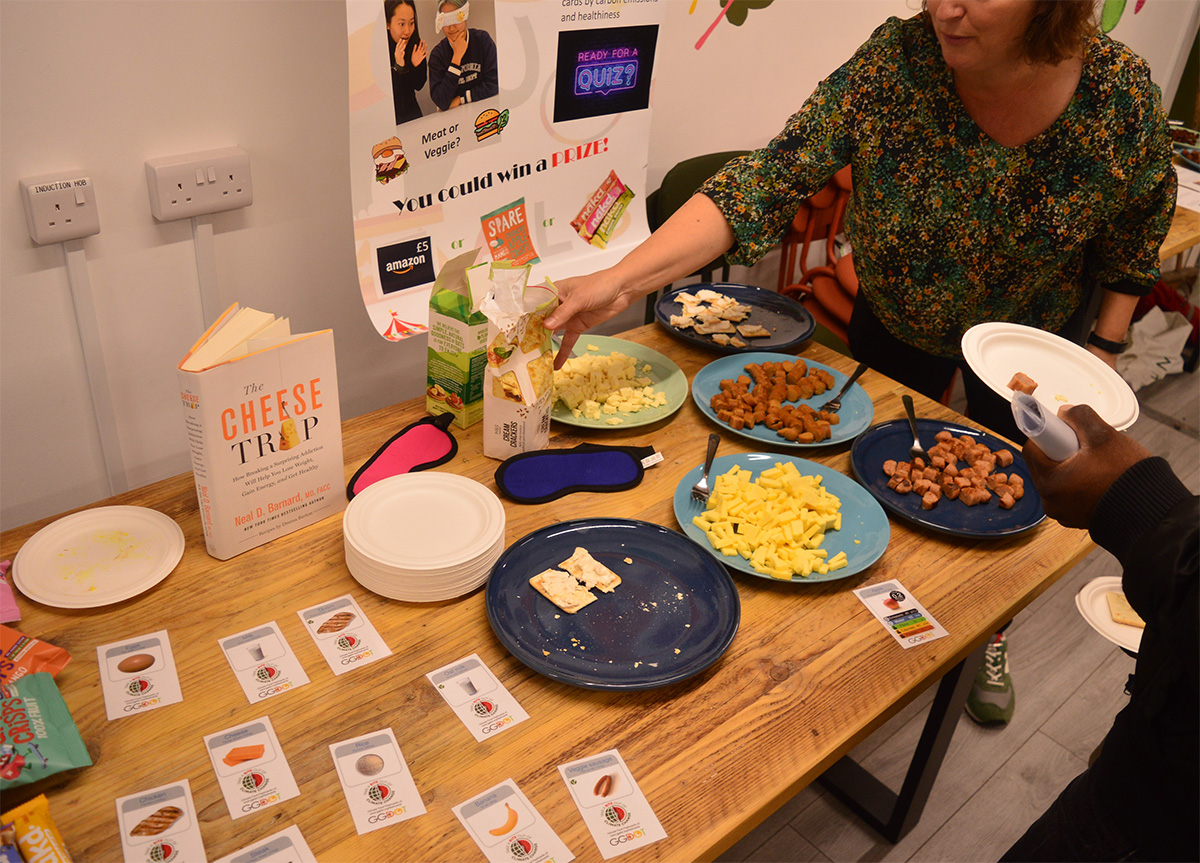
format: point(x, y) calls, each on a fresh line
point(1006, 159)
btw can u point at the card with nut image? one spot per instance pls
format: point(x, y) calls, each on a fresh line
point(477, 697)
point(613, 807)
point(138, 674)
point(378, 785)
point(343, 634)
point(506, 827)
point(263, 662)
point(160, 824)
point(251, 768)
point(286, 846)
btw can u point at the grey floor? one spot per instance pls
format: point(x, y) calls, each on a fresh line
point(996, 781)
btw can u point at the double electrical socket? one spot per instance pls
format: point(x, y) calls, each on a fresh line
point(60, 207)
point(196, 184)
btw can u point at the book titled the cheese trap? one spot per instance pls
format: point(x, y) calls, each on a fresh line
point(260, 405)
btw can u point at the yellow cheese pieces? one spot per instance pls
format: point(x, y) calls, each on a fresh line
point(600, 387)
point(776, 522)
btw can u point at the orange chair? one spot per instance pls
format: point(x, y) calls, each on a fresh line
point(827, 290)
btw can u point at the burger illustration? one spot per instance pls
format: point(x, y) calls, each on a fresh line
point(389, 159)
point(489, 123)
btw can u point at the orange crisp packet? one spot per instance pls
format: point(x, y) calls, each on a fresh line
point(21, 655)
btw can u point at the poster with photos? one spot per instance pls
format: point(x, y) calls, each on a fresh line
point(516, 126)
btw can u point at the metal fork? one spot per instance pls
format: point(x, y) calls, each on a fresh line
point(835, 404)
point(700, 491)
point(916, 450)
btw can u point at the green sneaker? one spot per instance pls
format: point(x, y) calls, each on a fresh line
point(992, 698)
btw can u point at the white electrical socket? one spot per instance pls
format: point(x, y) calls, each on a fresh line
point(196, 184)
point(60, 207)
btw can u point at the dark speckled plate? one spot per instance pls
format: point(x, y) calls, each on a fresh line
point(673, 615)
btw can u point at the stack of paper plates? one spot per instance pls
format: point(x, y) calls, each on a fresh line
point(423, 537)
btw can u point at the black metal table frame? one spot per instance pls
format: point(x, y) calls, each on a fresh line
point(890, 814)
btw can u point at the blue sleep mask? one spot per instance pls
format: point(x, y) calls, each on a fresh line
point(546, 475)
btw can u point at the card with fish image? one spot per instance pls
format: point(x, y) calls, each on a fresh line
point(375, 778)
point(160, 824)
point(343, 634)
point(506, 827)
point(901, 615)
point(613, 807)
point(250, 766)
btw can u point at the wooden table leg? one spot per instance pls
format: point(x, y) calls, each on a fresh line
point(892, 815)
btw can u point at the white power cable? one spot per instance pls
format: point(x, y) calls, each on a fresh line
point(206, 269)
point(97, 369)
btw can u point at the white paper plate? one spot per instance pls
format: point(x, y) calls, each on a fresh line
point(1093, 605)
point(98, 556)
point(1065, 372)
point(424, 521)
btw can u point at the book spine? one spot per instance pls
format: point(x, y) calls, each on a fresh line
point(195, 413)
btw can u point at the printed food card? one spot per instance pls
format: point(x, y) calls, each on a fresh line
point(506, 827)
point(263, 662)
point(901, 615)
point(612, 805)
point(138, 674)
point(378, 785)
point(343, 634)
point(251, 768)
point(160, 824)
point(478, 698)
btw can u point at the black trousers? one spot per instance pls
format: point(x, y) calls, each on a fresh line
point(871, 343)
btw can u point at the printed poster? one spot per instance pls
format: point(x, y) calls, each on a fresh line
point(518, 126)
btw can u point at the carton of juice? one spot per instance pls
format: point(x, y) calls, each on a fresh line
point(519, 390)
point(457, 352)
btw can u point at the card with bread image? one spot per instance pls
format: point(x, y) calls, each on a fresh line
point(157, 821)
point(336, 623)
point(161, 815)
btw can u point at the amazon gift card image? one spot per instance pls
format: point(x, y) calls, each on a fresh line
point(506, 826)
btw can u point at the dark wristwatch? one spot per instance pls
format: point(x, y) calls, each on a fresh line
point(1106, 344)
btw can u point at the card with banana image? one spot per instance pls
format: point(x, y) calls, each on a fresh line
point(507, 827)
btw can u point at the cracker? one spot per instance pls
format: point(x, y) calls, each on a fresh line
point(1122, 612)
point(590, 571)
point(562, 589)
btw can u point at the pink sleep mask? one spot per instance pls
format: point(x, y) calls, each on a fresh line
point(424, 444)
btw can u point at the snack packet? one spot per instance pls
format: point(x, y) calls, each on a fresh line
point(36, 834)
point(21, 655)
point(519, 388)
point(507, 235)
point(38, 738)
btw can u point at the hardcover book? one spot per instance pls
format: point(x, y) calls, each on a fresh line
point(260, 406)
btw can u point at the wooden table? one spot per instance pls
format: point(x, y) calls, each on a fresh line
point(809, 675)
point(1182, 235)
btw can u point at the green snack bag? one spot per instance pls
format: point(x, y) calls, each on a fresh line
point(38, 738)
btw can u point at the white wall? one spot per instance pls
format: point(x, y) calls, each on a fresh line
point(103, 85)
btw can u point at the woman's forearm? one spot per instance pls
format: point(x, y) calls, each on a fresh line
point(695, 234)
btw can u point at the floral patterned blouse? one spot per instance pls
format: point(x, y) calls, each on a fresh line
point(949, 228)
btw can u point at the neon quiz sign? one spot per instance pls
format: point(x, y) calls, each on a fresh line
point(606, 71)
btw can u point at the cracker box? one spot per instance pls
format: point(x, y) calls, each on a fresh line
point(519, 390)
point(457, 354)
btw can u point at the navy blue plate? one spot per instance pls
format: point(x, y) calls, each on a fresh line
point(891, 440)
point(789, 323)
point(673, 615)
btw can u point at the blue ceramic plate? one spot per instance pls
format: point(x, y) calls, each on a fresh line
point(862, 517)
point(891, 440)
point(665, 375)
point(789, 322)
point(674, 613)
point(855, 415)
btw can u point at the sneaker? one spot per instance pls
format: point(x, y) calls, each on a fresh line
point(992, 698)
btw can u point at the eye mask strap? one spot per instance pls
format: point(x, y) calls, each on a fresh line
point(546, 475)
point(419, 446)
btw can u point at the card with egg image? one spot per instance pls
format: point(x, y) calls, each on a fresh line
point(160, 824)
point(138, 674)
point(376, 781)
point(613, 807)
point(343, 634)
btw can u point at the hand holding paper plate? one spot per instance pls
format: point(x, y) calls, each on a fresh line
point(1066, 373)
